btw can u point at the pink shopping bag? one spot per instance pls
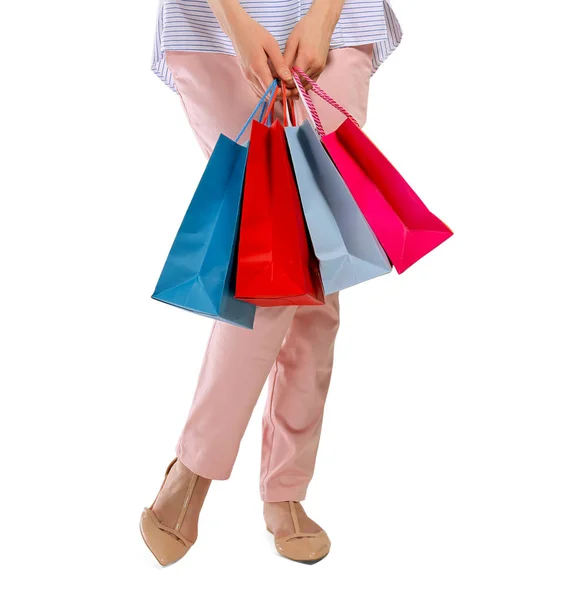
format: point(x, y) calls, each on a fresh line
point(404, 226)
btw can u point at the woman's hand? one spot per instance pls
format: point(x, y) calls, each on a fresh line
point(308, 45)
point(259, 54)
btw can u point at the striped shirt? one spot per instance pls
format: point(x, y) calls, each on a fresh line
point(190, 25)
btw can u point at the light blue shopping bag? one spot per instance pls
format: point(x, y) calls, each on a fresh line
point(346, 247)
point(199, 273)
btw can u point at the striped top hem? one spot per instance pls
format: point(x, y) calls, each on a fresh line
point(190, 26)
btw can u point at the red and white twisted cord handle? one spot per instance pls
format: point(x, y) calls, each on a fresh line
point(322, 94)
point(306, 99)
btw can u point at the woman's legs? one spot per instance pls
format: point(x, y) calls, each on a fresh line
point(217, 99)
point(297, 342)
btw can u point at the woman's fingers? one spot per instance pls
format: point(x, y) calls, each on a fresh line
point(310, 66)
point(290, 51)
point(292, 93)
point(263, 72)
point(280, 65)
point(290, 54)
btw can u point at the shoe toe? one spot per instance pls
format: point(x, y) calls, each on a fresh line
point(306, 549)
point(164, 546)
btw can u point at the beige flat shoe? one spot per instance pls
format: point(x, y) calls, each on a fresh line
point(301, 546)
point(170, 526)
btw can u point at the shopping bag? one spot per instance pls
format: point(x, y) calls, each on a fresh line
point(199, 272)
point(406, 228)
point(346, 247)
point(276, 266)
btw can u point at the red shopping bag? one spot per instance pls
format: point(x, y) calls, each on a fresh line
point(276, 265)
point(404, 226)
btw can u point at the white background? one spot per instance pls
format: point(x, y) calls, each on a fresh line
point(446, 465)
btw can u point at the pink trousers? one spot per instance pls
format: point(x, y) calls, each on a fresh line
point(292, 345)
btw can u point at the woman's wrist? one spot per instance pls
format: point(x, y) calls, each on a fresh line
point(229, 14)
point(328, 10)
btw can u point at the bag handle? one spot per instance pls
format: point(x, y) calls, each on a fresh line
point(263, 111)
point(272, 89)
point(284, 103)
point(288, 107)
point(309, 106)
point(270, 107)
point(322, 94)
point(292, 113)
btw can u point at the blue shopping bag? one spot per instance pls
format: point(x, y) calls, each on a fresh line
point(346, 247)
point(199, 273)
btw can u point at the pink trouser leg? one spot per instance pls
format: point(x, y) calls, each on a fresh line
point(295, 343)
point(235, 368)
point(297, 392)
point(236, 365)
